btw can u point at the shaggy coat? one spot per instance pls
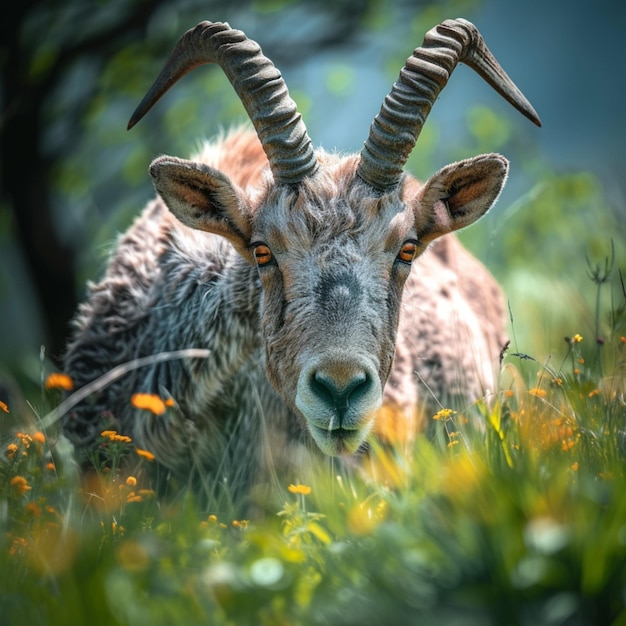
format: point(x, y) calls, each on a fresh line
point(337, 288)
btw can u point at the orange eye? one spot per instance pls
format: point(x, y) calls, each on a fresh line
point(407, 252)
point(263, 255)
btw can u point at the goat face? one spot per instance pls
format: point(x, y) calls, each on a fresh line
point(332, 255)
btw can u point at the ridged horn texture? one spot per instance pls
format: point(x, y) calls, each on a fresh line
point(395, 129)
point(258, 84)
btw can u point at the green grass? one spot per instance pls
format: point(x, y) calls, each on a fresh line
point(522, 521)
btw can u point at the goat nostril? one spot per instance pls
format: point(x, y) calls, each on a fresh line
point(336, 394)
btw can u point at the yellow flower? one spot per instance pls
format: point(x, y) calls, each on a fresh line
point(304, 490)
point(444, 414)
point(113, 436)
point(4, 407)
point(537, 391)
point(25, 438)
point(20, 485)
point(144, 454)
point(59, 381)
point(240, 523)
point(11, 450)
point(131, 481)
point(593, 393)
point(148, 401)
point(577, 338)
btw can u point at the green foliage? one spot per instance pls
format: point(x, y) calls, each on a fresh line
point(512, 512)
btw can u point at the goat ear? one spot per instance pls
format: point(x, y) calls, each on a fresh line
point(204, 198)
point(458, 195)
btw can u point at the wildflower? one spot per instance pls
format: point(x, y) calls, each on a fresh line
point(20, 485)
point(304, 490)
point(622, 339)
point(581, 360)
point(212, 519)
point(39, 437)
point(131, 481)
point(537, 391)
point(25, 439)
point(133, 497)
point(576, 371)
point(577, 338)
point(4, 407)
point(454, 442)
point(593, 393)
point(574, 466)
point(148, 401)
point(50, 467)
point(18, 545)
point(113, 436)
point(144, 454)
point(33, 509)
point(11, 450)
point(509, 393)
point(558, 382)
point(59, 381)
point(240, 523)
point(444, 414)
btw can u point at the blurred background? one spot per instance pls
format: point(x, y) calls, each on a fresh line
point(72, 177)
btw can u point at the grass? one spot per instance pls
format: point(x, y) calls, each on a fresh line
point(522, 521)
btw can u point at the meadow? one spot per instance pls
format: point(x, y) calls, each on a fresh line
point(520, 521)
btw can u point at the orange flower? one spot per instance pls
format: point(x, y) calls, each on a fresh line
point(113, 436)
point(131, 481)
point(20, 485)
point(4, 407)
point(59, 381)
point(304, 490)
point(144, 454)
point(39, 437)
point(11, 450)
point(537, 391)
point(148, 401)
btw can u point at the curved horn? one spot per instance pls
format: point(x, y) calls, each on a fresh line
point(396, 128)
point(258, 84)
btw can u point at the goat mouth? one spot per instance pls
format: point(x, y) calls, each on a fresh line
point(338, 441)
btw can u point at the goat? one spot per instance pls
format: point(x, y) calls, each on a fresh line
point(289, 265)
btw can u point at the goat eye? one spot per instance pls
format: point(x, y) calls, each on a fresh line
point(408, 252)
point(263, 255)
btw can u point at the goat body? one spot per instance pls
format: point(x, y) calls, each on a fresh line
point(292, 267)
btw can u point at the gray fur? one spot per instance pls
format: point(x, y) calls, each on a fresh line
point(334, 308)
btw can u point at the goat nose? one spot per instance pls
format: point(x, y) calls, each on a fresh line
point(339, 394)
